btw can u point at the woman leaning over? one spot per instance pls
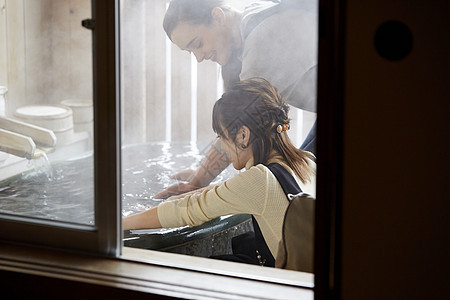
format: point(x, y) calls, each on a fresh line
point(251, 120)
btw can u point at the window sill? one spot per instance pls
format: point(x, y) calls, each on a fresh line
point(158, 273)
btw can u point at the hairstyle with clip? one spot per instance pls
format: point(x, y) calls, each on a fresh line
point(256, 104)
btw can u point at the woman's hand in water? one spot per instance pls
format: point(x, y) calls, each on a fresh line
point(176, 189)
point(212, 165)
point(179, 188)
point(184, 175)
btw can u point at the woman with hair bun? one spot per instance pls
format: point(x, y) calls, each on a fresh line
point(274, 40)
point(251, 120)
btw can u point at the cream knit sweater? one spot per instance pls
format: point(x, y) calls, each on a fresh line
point(255, 191)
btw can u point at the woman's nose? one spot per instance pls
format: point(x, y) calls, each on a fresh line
point(199, 56)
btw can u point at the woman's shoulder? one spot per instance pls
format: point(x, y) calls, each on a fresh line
point(308, 187)
point(256, 175)
point(254, 8)
point(262, 171)
point(270, 14)
point(255, 171)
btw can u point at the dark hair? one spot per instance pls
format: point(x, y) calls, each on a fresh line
point(192, 11)
point(256, 104)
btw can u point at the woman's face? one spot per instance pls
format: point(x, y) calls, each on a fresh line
point(207, 42)
point(238, 156)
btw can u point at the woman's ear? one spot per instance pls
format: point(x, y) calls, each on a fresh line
point(218, 16)
point(244, 136)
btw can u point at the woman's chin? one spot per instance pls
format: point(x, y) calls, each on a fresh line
point(238, 168)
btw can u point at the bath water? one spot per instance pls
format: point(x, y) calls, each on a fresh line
point(61, 191)
point(64, 191)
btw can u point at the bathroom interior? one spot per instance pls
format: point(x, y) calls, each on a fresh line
point(46, 119)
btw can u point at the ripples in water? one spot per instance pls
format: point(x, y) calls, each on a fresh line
point(64, 191)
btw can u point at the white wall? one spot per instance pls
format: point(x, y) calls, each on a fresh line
point(46, 56)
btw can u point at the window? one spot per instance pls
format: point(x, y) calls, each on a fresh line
point(104, 235)
point(167, 100)
point(54, 83)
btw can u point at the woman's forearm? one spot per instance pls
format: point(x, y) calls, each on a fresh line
point(181, 196)
point(145, 220)
point(212, 165)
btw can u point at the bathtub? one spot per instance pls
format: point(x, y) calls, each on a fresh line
point(152, 172)
point(58, 192)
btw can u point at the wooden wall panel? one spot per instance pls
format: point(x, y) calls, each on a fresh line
point(3, 44)
point(59, 44)
point(155, 71)
point(133, 72)
point(40, 67)
point(81, 85)
point(181, 94)
point(15, 28)
point(207, 96)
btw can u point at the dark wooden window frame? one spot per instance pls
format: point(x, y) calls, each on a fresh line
point(31, 261)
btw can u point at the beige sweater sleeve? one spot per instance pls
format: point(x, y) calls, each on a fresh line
point(244, 193)
point(255, 191)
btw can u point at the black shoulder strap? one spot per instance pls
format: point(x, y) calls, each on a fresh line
point(286, 180)
point(289, 186)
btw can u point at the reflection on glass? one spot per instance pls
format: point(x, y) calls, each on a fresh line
point(46, 111)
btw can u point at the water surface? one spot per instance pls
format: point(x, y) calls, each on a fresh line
point(64, 191)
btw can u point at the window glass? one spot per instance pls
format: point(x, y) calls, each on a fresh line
point(166, 126)
point(166, 114)
point(46, 111)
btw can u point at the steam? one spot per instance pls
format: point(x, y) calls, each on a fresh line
point(52, 58)
point(154, 111)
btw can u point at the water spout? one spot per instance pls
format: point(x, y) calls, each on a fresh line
point(20, 139)
point(17, 144)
